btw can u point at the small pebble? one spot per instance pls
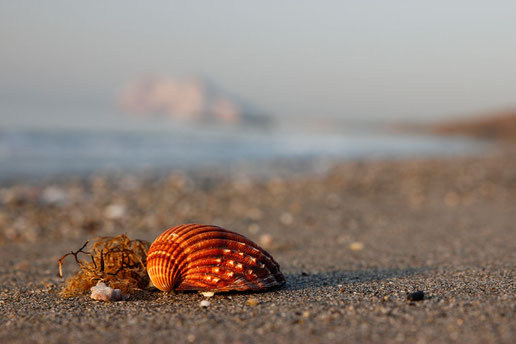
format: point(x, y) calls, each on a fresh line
point(114, 211)
point(254, 214)
point(102, 292)
point(451, 199)
point(286, 219)
point(342, 239)
point(53, 195)
point(356, 246)
point(205, 303)
point(266, 240)
point(252, 301)
point(416, 296)
point(253, 228)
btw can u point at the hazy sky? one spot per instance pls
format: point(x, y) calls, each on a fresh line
point(355, 59)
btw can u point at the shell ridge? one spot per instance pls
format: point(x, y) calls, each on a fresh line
point(183, 259)
point(185, 229)
point(195, 229)
point(223, 274)
point(229, 262)
point(238, 282)
point(200, 245)
point(217, 234)
point(161, 256)
point(174, 236)
point(260, 277)
point(188, 242)
point(269, 268)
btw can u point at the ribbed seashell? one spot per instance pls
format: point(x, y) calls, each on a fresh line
point(210, 258)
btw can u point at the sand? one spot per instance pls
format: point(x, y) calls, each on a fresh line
point(351, 243)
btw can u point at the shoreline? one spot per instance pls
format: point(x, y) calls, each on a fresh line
point(32, 155)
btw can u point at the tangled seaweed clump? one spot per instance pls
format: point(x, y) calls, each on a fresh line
point(117, 261)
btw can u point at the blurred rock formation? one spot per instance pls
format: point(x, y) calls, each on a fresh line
point(193, 100)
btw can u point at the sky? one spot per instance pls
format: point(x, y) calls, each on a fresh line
point(373, 60)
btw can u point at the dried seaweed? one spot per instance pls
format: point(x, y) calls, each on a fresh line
point(118, 261)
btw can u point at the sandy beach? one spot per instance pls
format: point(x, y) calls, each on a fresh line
point(352, 243)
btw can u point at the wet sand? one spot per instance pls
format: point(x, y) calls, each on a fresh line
point(351, 243)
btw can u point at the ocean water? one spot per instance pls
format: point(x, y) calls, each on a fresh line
point(47, 152)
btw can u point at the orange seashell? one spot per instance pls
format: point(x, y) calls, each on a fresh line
point(210, 258)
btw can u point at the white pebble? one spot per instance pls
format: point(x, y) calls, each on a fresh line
point(266, 240)
point(102, 292)
point(207, 293)
point(253, 228)
point(356, 246)
point(286, 219)
point(53, 195)
point(205, 303)
point(114, 211)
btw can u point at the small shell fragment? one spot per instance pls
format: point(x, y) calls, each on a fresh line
point(102, 292)
point(205, 303)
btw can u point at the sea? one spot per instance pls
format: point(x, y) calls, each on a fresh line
point(46, 152)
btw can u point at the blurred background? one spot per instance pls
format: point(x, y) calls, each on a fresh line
point(135, 85)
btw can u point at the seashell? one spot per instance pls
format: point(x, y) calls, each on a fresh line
point(210, 258)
